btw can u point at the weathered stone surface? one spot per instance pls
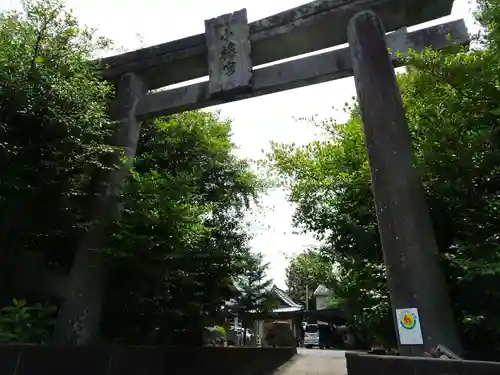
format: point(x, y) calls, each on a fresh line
point(404, 223)
point(38, 360)
point(297, 73)
point(309, 27)
point(130, 91)
point(130, 360)
point(79, 317)
point(171, 360)
point(362, 364)
point(228, 44)
point(401, 40)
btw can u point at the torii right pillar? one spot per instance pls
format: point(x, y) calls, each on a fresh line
point(419, 296)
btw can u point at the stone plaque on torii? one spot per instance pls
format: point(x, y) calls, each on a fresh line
point(230, 51)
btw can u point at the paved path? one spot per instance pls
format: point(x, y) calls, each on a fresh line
point(315, 362)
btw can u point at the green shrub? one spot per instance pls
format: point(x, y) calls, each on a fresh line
point(221, 330)
point(21, 323)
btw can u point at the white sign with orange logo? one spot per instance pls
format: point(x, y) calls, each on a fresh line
point(410, 332)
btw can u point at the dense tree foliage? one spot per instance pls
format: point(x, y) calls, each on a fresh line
point(255, 296)
point(305, 272)
point(180, 239)
point(53, 122)
point(255, 291)
point(452, 101)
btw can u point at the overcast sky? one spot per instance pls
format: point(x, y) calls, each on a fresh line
point(256, 121)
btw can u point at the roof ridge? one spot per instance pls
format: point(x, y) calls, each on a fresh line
point(285, 297)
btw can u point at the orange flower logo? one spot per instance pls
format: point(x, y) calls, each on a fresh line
point(408, 320)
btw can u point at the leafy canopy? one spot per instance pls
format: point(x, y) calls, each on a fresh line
point(451, 99)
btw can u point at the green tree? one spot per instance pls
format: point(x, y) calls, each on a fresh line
point(182, 236)
point(305, 272)
point(256, 297)
point(330, 183)
point(451, 100)
point(21, 323)
point(53, 133)
point(53, 121)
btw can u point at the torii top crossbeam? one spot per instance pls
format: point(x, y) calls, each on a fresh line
point(307, 28)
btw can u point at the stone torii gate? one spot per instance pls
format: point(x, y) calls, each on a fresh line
point(230, 53)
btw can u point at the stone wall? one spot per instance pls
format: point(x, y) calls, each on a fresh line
point(39, 360)
point(363, 364)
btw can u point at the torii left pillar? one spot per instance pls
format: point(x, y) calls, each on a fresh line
point(79, 317)
point(408, 242)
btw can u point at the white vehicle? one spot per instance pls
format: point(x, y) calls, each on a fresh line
point(311, 335)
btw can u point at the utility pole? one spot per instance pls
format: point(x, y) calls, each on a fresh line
point(307, 298)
